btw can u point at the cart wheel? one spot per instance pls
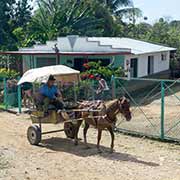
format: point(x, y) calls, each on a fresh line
point(69, 129)
point(34, 135)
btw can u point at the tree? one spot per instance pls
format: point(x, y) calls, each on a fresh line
point(7, 39)
point(14, 16)
point(59, 18)
point(114, 5)
point(21, 17)
point(21, 13)
point(122, 8)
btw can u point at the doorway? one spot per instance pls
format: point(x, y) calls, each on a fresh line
point(150, 65)
point(134, 67)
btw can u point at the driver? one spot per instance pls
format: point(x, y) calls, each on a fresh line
point(51, 95)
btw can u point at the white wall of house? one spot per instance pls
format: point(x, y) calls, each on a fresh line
point(159, 64)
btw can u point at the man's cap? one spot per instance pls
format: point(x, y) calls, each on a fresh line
point(97, 75)
point(51, 78)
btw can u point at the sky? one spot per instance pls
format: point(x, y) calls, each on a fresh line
point(154, 9)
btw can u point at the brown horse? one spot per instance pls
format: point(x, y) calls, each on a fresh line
point(105, 119)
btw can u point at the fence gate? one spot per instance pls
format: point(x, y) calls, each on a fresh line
point(155, 107)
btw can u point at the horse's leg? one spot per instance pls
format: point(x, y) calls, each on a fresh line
point(76, 132)
point(98, 139)
point(85, 132)
point(110, 129)
point(77, 126)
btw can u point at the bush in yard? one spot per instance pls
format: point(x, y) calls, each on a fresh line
point(92, 68)
point(8, 73)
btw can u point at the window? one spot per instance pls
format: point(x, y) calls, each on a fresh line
point(163, 56)
point(45, 61)
point(150, 65)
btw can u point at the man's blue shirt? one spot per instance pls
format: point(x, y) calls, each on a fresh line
point(50, 92)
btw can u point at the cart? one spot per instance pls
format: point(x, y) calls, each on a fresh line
point(34, 132)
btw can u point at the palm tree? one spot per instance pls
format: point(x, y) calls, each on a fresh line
point(61, 17)
point(122, 8)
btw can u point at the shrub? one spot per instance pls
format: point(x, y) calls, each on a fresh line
point(93, 68)
point(8, 73)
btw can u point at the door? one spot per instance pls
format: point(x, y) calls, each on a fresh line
point(150, 65)
point(134, 67)
point(78, 63)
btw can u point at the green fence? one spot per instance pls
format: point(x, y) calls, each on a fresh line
point(10, 95)
point(155, 106)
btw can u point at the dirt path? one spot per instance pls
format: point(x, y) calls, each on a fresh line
point(57, 157)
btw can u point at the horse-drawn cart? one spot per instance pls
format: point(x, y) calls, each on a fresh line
point(98, 114)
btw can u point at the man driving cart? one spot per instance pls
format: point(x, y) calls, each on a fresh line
point(50, 95)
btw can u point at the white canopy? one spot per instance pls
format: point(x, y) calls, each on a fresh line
point(42, 74)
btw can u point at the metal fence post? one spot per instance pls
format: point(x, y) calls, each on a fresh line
point(92, 87)
point(75, 94)
point(113, 83)
point(5, 93)
point(19, 98)
point(162, 109)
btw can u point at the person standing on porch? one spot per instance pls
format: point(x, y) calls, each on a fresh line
point(103, 89)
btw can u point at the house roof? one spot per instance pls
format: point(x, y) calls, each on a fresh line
point(76, 45)
point(136, 46)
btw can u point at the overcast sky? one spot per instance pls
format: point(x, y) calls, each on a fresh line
point(154, 9)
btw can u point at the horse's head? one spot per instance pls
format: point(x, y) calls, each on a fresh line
point(124, 107)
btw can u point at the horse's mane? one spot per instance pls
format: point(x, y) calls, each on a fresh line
point(110, 105)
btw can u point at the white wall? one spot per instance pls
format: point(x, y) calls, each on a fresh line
point(159, 65)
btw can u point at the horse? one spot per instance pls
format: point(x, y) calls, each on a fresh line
point(105, 119)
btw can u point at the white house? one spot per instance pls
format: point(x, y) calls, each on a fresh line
point(141, 57)
point(145, 58)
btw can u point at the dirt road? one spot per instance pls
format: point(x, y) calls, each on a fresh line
point(57, 157)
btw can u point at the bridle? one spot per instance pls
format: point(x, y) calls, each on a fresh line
point(121, 103)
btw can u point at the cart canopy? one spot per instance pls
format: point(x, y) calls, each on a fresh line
point(62, 73)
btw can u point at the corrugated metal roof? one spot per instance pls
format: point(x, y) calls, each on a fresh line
point(136, 46)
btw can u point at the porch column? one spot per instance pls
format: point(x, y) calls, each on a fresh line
point(35, 62)
point(58, 60)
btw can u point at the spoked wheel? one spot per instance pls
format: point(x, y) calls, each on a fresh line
point(34, 135)
point(69, 129)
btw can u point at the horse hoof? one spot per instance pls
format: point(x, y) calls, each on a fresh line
point(76, 143)
point(87, 147)
point(111, 151)
point(99, 151)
